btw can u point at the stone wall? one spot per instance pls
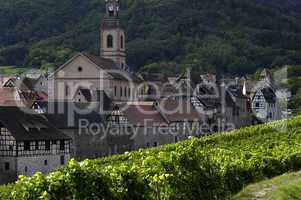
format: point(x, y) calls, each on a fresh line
point(29, 165)
point(10, 175)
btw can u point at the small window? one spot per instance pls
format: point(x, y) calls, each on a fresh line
point(26, 146)
point(62, 145)
point(129, 93)
point(6, 166)
point(62, 160)
point(257, 104)
point(47, 145)
point(45, 162)
point(115, 91)
point(155, 144)
point(80, 69)
point(37, 145)
point(121, 92)
point(66, 90)
point(25, 169)
point(110, 41)
point(270, 115)
point(125, 92)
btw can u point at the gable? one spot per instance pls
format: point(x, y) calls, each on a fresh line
point(80, 67)
point(9, 84)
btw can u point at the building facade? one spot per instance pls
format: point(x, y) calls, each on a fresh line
point(29, 144)
point(264, 105)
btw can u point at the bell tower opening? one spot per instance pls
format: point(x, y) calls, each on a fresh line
point(112, 35)
point(110, 41)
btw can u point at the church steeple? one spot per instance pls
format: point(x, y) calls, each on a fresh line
point(112, 36)
point(112, 8)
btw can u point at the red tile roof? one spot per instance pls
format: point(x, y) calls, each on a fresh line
point(141, 115)
point(8, 97)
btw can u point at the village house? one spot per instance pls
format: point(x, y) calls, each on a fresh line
point(85, 123)
point(155, 123)
point(28, 143)
point(264, 105)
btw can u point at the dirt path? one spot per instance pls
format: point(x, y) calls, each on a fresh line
point(264, 190)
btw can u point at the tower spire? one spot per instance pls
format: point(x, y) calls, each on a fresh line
point(112, 8)
point(112, 36)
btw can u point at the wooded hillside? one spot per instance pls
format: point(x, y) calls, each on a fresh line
point(230, 36)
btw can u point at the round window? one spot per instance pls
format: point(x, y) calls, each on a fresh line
point(80, 69)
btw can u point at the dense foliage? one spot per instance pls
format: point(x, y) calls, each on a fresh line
point(230, 36)
point(212, 167)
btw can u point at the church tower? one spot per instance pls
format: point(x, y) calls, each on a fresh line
point(112, 37)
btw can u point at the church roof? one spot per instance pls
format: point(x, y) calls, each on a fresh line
point(112, 69)
point(106, 64)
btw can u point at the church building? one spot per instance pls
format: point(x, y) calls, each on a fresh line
point(107, 71)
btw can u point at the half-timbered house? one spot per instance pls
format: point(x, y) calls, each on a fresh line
point(28, 144)
point(264, 105)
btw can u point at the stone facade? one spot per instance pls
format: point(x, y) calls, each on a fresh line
point(81, 72)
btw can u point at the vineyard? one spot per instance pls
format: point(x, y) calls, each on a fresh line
point(213, 167)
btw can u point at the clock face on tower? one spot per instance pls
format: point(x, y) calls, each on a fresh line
point(111, 7)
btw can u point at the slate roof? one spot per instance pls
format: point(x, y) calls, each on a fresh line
point(210, 103)
point(104, 63)
point(96, 96)
point(69, 115)
point(177, 110)
point(269, 95)
point(154, 77)
point(26, 125)
point(236, 91)
point(112, 69)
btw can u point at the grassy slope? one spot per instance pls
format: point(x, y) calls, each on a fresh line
point(208, 168)
point(285, 187)
point(11, 70)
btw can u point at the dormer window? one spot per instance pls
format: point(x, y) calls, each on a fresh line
point(110, 41)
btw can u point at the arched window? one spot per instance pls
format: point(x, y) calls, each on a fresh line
point(110, 41)
point(121, 42)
